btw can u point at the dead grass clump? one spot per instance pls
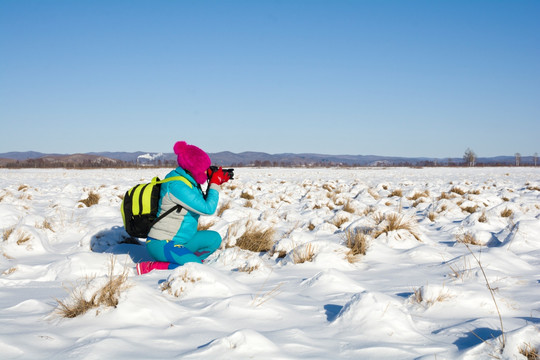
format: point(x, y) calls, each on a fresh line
point(256, 239)
point(348, 207)
point(534, 188)
point(223, 207)
point(45, 225)
point(418, 202)
point(397, 192)
point(23, 187)
point(10, 271)
point(474, 192)
point(394, 222)
point(248, 268)
point(418, 297)
point(446, 196)
point(92, 199)
point(328, 187)
point(306, 255)
point(457, 190)
point(506, 212)
point(467, 238)
point(7, 232)
point(108, 296)
point(432, 216)
point(208, 225)
point(339, 220)
point(249, 204)
point(470, 209)
point(22, 238)
point(185, 277)
point(373, 194)
point(378, 218)
point(461, 272)
point(246, 195)
point(529, 351)
point(418, 195)
point(483, 217)
point(356, 241)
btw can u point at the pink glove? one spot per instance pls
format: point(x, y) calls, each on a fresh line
point(219, 177)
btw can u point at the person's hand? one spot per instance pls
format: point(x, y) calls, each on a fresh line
point(219, 177)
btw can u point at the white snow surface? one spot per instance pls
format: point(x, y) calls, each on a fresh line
point(421, 296)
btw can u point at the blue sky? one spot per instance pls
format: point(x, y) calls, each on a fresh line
point(402, 78)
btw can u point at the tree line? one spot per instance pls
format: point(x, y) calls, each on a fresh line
point(469, 159)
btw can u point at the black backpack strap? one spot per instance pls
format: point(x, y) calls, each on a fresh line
point(176, 207)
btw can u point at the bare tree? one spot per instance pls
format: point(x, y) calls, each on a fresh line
point(535, 158)
point(469, 157)
point(518, 158)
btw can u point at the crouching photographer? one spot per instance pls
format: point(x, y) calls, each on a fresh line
point(175, 240)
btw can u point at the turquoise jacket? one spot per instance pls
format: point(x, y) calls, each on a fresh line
point(182, 226)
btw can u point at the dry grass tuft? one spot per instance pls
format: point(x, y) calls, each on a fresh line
point(186, 278)
point(339, 220)
point(23, 187)
point(22, 238)
point(457, 190)
point(432, 216)
point(419, 195)
point(10, 271)
point(394, 222)
point(107, 296)
point(348, 207)
point(534, 188)
point(328, 187)
point(208, 225)
point(461, 272)
point(247, 196)
point(373, 194)
point(467, 238)
point(248, 268)
point(249, 204)
point(7, 233)
point(223, 207)
point(256, 239)
point(45, 225)
point(483, 217)
point(529, 351)
point(92, 199)
point(356, 241)
point(418, 297)
point(445, 196)
point(306, 255)
point(470, 209)
point(397, 192)
point(507, 212)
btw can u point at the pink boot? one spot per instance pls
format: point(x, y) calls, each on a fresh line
point(147, 266)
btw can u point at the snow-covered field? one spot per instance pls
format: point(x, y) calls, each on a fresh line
point(416, 293)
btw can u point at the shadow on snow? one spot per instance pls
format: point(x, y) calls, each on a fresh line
point(116, 241)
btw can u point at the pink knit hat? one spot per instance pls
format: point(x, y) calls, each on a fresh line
point(192, 159)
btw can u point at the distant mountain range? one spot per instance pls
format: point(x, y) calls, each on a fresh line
point(227, 158)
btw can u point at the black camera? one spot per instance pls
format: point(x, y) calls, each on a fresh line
point(213, 169)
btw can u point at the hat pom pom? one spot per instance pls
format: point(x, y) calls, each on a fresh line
point(179, 147)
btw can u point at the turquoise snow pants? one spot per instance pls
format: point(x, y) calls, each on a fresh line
point(198, 248)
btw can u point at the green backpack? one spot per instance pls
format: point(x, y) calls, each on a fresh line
point(141, 204)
